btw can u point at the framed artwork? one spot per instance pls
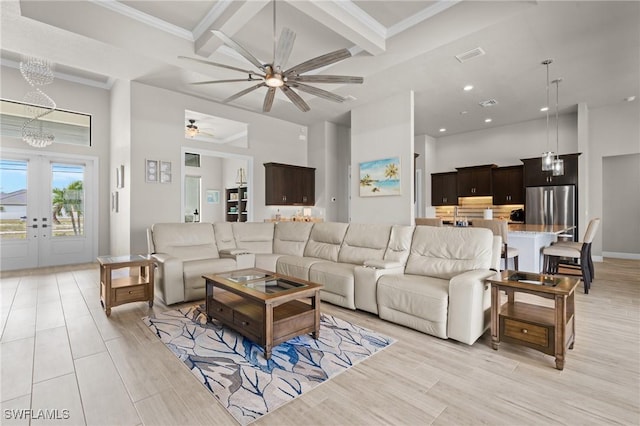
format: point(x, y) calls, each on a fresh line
point(120, 177)
point(165, 172)
point(213, 196)
point(380, 177)
point(151, 170)
point(114, 201)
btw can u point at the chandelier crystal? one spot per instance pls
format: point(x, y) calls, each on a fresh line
point(37, 72)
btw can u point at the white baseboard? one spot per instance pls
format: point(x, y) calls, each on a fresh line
point(633, 256)
point(597, 258)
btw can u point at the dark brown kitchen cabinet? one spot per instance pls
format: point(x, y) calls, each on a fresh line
point(475, 181)
point(444, 189)
point(289, 185)
point(508, 185)
point(534, 176)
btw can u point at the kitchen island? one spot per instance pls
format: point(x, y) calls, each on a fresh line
point(530, 240)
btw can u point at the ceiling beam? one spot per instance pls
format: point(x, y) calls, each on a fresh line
point(347, 20)
point(227, 16)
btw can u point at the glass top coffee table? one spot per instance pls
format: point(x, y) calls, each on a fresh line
point(265, 307)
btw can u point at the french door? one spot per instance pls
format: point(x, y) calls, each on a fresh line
point(47, 210)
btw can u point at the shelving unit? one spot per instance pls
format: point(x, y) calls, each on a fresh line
point(236, 204)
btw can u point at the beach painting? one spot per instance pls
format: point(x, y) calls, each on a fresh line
point(380, 177)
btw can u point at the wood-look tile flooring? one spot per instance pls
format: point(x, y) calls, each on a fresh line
point(60, 352)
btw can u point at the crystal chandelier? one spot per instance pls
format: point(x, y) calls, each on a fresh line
point(37, 72)
point(558, 163)
point(547, 157)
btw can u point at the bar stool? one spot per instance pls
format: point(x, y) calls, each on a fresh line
point(573, 250)
point(500, 228)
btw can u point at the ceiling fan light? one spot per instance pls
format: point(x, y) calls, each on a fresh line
point(274, 80)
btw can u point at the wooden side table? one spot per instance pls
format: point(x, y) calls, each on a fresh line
point(117, 291)
point(549, 330)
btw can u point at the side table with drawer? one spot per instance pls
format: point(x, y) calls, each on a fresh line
point(127, 288)
point(550, 330)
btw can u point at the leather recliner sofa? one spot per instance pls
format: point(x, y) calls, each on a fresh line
point(431, 279)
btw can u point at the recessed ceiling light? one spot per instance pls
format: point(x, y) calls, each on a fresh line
point(630, 99)
point(543, 109)
point(463, 112)
point(467, 87)
point(488, 120)
point(443, 130)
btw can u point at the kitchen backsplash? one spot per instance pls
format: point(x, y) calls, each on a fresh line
point(474, 207)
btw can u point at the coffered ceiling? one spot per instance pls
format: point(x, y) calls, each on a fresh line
point(397, 46)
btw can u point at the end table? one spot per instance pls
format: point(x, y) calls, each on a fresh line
point(549, 330)
point(117, 291)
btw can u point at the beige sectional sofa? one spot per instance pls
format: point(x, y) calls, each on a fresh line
point(427, 278)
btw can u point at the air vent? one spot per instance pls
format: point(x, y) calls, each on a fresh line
point(488, 103)
point(473, 53)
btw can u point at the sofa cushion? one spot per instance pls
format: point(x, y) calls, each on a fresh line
point(448, 251)
point(399, 243)
point(224, 235)
point(296, 266)
point(257, 237)
point(337, 279)
point(325, 240)
point(187, 241)
point(291, 237)
point(364, 242)
point(416, 301)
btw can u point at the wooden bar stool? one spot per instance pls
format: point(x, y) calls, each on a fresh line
point(580, 252)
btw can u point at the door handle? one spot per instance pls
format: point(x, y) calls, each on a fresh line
point(44, 225)
point(34, 226)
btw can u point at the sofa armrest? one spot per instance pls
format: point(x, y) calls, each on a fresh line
point(383, 264)
point(365, 280)
point(243, 257)
point(169, 280)
point(469, 300)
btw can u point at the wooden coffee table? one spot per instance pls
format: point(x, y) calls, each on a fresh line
point(549, 330)
point(265, 307)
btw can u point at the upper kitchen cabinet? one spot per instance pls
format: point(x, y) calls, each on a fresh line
point(534, 176)
point(475, 181)
point(444, 189)
point(288, 185)
point(508, 185)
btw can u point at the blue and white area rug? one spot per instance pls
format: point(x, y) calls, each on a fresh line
point(235, 371)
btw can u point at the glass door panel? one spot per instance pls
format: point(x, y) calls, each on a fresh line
point(67, 200)
point(13, 201)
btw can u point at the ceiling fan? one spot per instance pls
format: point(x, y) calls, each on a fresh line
point(192, 130)
point(274, 75)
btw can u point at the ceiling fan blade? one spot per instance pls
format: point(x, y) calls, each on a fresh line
point(295, 98)
point(318, 92)
point(241, 50)
point(268, 99)
point(320, 61)
point(226, 81)
point(215, 64)
point(243, 92)
point(336, 79)
point(283, 50)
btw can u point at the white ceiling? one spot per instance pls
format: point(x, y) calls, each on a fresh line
point(397, 46)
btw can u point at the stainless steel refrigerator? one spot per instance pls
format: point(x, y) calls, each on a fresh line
point(552, 205)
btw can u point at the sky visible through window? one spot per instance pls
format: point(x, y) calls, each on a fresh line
point(13, 175)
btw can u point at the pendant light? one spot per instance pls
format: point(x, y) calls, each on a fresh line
point(558, 163)
point(547, 157)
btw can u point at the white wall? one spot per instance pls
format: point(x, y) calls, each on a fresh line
point(326, 142)
point(613, 130)
point(80, 98)
point(120, 152)
point(157, 120)
point(210, 172)
point(342, 164)
point(621, 206)
point(503, 145)
point(383, 130)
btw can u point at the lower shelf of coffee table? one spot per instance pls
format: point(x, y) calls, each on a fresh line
point(248, 318)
